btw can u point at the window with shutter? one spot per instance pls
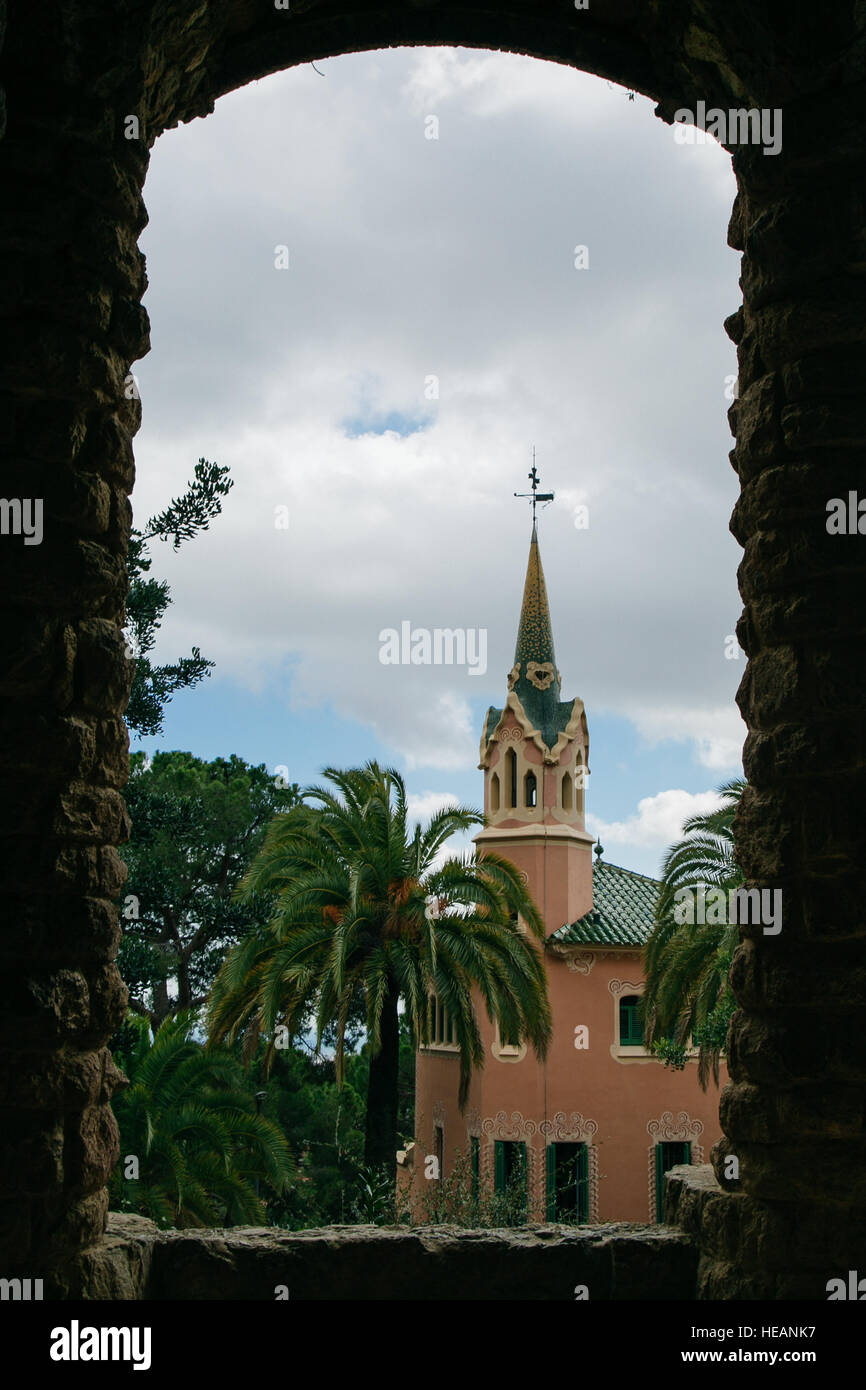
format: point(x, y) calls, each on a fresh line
point(568, 1182)
point(630, 1028)
point(510, 1171)
point(668, 1155)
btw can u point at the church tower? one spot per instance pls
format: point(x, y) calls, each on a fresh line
point(535, 760)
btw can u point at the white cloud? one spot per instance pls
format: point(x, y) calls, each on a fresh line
point(717, 734)
point(658, 821)
point(423, 805)
point(452, 258)
point(443, 736)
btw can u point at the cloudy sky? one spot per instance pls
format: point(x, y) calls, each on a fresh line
point(383, 391)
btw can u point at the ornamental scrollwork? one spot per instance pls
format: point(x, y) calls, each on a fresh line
point(571, 1128)
point(500, 1127)
point(667, 1127)
point(541, 674)
point(618, 987)
point(581, 962)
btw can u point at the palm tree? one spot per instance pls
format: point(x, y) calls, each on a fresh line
point(366, 911)
point(188, 1119)
point(687, 992)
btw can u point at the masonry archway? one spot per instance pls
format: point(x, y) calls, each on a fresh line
point(73, 280)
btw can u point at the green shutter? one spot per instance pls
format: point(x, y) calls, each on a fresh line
point(551, 1182)
point(499, 1165)
point(660, 1175)
point(630, 1028)
point(668, 1156)
point(583, 1184)
point(525, 1174)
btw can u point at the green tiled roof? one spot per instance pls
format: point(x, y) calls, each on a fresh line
point(491, 719)
point(552, 721)
point(622, 913)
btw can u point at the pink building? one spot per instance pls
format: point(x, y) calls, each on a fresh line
point(591, 1130)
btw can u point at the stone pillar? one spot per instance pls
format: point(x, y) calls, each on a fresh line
point(72, 280)
point(793, 1112)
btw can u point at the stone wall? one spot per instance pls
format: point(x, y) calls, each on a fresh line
point(71, 281)
point(617, 1262)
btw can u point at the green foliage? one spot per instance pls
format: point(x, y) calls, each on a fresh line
point(189, 1119)
point(196, 827)
point(687, 964)
point(324, 1127)
point(148, 599)
point(376, 1201)
point(455, 1200)
point(363, 914)
point(323, 1124)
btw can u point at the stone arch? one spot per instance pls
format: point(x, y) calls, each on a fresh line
point(73, 283)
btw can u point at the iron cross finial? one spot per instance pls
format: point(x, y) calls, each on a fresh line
point(535, 495)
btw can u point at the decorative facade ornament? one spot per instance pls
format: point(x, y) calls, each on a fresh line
point(665, 1129)
point(438, 1114)
point(581, 962)
point(574, 1129)
point(618, 987)
point(513, 675)
point(500, 1127)
point(541, 674)
point(513, 733)
point(569, 1129)
point(592, 1176)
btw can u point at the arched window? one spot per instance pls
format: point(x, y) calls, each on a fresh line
point(494, 792)
point(530, 789)
point(442, 1030)
point(511, 776)
point(567, 792)
point(579, 784)
point(630, 1028)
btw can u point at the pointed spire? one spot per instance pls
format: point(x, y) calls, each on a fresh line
point(535, 632)
point(534, 678)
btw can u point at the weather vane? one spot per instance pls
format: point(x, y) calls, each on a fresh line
point(535, 495)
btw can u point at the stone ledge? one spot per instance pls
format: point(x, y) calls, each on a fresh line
point(752, 1249)
point(689, 1190)
point(619, 1261)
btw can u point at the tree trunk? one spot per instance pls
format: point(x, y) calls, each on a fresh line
point(380, 1140)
